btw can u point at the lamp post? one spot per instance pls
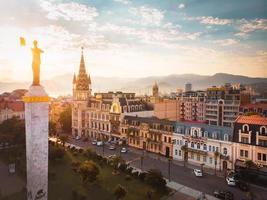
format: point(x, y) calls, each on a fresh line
point(169, 168)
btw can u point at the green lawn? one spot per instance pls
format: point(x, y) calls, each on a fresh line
point(65, 180)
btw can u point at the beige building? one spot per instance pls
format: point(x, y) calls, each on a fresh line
point(250, 140)
point(148, 133)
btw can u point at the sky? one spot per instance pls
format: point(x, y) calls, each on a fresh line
point(134, 38)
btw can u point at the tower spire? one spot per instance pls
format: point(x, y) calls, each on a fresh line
point(82, 80)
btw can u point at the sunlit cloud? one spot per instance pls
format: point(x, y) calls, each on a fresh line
point(181, 6)
point(226, 42)
point(123, 1)
point(148, 15)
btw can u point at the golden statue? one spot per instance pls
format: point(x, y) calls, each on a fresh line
point(36, 62)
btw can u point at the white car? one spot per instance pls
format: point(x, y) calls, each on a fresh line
point(123, 150)
point(231, 181)
point(78, 137)
point(94, 142)
point(99, 143)
point(198, 172)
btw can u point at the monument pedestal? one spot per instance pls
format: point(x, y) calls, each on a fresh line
point(36, 120)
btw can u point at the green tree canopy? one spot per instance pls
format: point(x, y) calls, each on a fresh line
point(120, 192)
point(89, 171)
point(155, 179)
point(65, 120)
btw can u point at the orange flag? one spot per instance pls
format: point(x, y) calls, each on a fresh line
point(22, 41)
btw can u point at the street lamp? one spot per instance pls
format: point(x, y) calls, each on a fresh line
point(169, 167)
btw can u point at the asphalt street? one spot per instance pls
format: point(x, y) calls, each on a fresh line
point(180, 174)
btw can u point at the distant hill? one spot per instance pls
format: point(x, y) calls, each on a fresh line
point(62, 85)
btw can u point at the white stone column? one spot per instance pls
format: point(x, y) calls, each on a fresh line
point(36, 120)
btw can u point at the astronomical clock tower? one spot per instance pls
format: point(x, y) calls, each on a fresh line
point(81, 93)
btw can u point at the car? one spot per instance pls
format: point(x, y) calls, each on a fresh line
point(220, 194)
point(94, 142)
point(123, 150)
point(99, 143)
point(77, 137)
point(198, 172)
point(112, 147)
point(242, 185)
point(231, 181)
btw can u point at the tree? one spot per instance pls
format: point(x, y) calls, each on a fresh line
point(52, 128)
point(155, 179)
point(65, 120)
point(12, 131)
point(216, 155)
point(63, 139)
point(115, 160)
point(89, 171)
point(56, 153)
point(250, 164)
point(120, 192)
point(184, 148)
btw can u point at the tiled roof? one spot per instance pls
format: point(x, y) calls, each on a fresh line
point(255, 105)
point(253, 119)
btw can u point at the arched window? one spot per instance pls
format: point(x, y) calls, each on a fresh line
point(195, 133)
point(214, 135)
point(225, 151)
point(205, 147)
point(263, 130)
point(206, 134)
point(198, 145)
point(245, 128)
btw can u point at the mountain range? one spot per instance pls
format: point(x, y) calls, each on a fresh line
point(62, 85)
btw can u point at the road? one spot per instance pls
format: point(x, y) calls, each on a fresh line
point(180, 174)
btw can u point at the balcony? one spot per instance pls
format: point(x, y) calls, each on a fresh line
point(198, 151)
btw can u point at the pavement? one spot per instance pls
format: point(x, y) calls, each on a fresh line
point(182, 178)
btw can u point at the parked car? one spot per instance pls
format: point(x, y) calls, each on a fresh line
point(226, 195)
point(231, 181)
point(198, 172)
point(112, 147)
point(77, 137)
point(99, 143)
point(123, 150)
point(242, 185)
point(94, 142)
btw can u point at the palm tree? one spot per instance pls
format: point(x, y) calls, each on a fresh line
point(184, 148)
point(216, 155)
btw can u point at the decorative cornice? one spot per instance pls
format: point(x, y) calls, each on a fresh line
point(35, 99)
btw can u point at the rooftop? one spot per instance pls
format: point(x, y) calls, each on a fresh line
point(253, 119)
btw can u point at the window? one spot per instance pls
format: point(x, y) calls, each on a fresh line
point(204, 158)
point(225, 151)
point(198, 145)
point(209, 148)
point(180, 153)
point(170, 140)
point(225, 137)
point(264, 157)
point(176, 152)
point(205, 147)
point(210, 160)
point(165, 139)
point(213, 148)
point(198, 157)
point(244, 140)
point(263, 143)
point(245, 128)
point(192, 145)
point(263, 130)
point(192, 156)
point(217, 149)
point(259, 156)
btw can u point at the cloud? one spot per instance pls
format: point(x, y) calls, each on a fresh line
point(125, 2)
point(226, 42)
point(68, 11)
point(148, 15)
point(248, 26)
point(181, 6)
point(214, 20)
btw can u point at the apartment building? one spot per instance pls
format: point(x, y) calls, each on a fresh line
point(148, 133)
point(222, 104)
point(203, 144)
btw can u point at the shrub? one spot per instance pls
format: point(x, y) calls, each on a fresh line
point(123, 167)
point(135, 174)
point(119, 192)
point(129, 170)
point(142, 176)
point(80, 150)
point(156, 180)
point(89, 171)
point(75, 165)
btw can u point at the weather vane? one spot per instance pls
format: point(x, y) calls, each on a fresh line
point(36, 60)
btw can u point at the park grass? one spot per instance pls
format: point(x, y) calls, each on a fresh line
point(64, 180)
